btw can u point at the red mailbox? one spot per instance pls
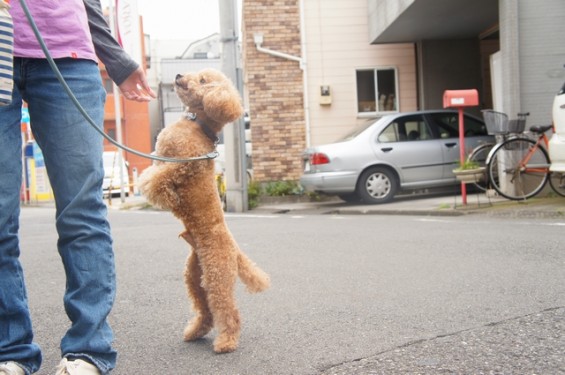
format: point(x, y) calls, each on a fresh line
point(459, 99)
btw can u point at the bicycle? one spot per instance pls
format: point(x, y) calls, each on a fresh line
point(497, 123)
point(518, 168)
point(479, 156)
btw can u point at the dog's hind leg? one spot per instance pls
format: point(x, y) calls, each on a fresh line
point(202, 323)
point(219, 276)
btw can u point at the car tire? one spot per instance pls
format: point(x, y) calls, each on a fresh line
point(377, 185)
point(349, 198)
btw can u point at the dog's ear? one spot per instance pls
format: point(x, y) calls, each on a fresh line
point(222, 103)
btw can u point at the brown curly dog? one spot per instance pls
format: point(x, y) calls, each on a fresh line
point(189, 191)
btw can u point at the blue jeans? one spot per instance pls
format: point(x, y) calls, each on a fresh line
point(73, 156)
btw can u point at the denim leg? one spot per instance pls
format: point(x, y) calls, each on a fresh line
point(15, 324)
point(73, 156)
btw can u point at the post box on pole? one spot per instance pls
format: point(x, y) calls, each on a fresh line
point(460, 99)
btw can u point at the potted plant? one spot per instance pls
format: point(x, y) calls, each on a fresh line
point(469, 171)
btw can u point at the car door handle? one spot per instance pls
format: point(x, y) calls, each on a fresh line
point(386, 149)
point(451, 144)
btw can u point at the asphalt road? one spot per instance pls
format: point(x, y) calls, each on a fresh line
point(350, 295)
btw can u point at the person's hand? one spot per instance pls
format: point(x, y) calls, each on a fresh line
point(135, 87)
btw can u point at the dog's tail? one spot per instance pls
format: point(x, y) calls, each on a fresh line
point(255, 279)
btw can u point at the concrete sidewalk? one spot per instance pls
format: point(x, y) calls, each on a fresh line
point(438, 204)
point(433, 205)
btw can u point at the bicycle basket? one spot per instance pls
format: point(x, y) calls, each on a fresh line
point(496, 122)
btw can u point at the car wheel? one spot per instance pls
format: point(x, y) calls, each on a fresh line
point(377, 185)
point(349, 198)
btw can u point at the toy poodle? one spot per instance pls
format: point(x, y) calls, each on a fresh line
point(189, 191)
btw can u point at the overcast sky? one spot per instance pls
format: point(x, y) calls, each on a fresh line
point(184, 19)
point(169, 19)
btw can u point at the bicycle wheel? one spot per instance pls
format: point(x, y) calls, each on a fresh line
point(557, 182)
point(509, 173)
point(479, 156)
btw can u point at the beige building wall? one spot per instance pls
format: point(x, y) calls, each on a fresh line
point(337, 43)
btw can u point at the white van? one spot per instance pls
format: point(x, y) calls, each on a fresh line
point(557, 141)
point(112, 184)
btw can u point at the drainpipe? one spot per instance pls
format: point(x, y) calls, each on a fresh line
point(304, 74)
point(258, 39)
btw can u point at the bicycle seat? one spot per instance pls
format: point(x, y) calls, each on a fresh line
point(540, 128)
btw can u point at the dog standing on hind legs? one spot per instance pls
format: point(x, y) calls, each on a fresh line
point(189, 191)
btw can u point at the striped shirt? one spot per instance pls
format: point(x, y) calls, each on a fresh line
point(6, 55)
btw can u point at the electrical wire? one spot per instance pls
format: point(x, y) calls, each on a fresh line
point(211, 155)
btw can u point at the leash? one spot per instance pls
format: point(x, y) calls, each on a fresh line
point(211, 155)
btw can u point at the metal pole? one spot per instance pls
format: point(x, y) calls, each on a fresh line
point(234, 134)
point(118, 114)
point(462, 152)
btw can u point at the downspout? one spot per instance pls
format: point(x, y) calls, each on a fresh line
point(304, 74)
point(258, 39)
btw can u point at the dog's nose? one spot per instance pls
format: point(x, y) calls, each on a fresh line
point(178, 81)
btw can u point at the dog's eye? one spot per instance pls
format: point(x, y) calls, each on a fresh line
point(202, 81)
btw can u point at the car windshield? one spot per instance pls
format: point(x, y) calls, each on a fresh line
point(358, 130)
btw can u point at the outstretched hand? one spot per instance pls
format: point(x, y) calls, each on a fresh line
point(135, 87)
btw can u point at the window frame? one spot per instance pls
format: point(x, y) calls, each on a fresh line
point(378, 111)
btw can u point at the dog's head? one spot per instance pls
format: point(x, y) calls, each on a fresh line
point(209, 94)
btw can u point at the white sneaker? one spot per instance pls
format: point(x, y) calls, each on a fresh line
point(76, 367)
point(11, 368)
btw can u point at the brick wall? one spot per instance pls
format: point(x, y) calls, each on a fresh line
point(275, 89)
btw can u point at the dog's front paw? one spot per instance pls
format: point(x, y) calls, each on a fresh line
point(156, 185)
point(145, 182)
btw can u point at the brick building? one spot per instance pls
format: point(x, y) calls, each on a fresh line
point(274, 89)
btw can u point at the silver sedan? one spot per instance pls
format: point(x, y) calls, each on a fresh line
point(395, 152)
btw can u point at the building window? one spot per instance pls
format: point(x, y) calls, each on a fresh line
point(377, 90)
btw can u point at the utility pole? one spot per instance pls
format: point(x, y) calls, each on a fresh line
point(118, 116)
point(234, 134)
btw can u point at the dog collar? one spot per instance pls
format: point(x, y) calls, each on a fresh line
point(205, 128)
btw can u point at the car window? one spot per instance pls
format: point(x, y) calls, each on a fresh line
point(389, 134)
point(407, 128)
point(448, 125)
point(474, 127)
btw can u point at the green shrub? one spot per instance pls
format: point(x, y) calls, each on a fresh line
point(283, 188)
point(254, 191)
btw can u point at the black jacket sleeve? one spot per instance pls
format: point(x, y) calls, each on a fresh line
point(118, 63)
